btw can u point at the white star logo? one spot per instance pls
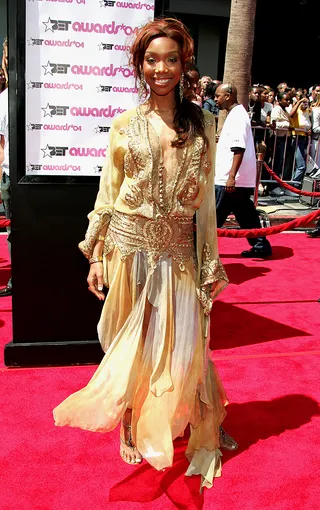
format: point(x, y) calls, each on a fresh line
point(29, 126)
point(29, 168)
point(97, 129)
point(30, 86)
point(47, 111)
point(102, 4)
point(100, 46)
point(46, 152)
point(30, 42)
point(47, 69)
point(99, 88)
point(49, 22)
point(97, 169)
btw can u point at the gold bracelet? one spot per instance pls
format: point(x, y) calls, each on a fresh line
point(101, 238)
point(98, 258)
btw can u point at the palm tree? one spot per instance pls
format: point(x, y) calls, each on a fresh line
point(237, 68)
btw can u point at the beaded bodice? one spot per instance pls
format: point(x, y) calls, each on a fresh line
point(148, 189)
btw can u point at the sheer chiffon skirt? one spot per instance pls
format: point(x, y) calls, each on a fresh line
point(157, 363)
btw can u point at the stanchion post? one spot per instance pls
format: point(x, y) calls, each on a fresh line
point(258, 177)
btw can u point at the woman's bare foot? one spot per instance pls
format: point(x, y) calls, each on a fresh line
point(128, 450)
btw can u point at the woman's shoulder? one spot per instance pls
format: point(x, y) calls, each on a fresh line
point(315, 114)
point(209, 118)
point(122, 120)
point(276, 110)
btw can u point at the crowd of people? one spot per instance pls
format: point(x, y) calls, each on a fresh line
point(290, 118)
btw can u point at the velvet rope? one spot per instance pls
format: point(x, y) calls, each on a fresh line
point(303, 221)
point(291, 188)
point(253, 232)
point(4, 223)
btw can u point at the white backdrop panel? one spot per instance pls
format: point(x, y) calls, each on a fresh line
point(77, 80)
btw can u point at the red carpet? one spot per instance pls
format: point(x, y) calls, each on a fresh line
point(266, 336)
point(5, 302)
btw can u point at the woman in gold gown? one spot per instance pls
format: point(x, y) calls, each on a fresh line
point(156, 376)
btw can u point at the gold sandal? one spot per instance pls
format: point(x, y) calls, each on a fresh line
point(226, 441)
point(130, 446)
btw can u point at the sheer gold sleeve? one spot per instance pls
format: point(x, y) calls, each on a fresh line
point(212, 277)
point(110, 181)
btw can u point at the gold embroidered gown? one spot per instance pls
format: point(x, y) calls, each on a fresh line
point(154, 323)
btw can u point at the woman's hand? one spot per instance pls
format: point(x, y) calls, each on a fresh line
point(95, 280)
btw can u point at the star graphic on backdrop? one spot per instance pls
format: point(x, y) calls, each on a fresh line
point(29, 168)
point(47, 111)
point(97, 129)
point(49, 22)
point(102, 4)
point(99, 88)
point(47, 69)
point(100, 46)
point(30, 86)
point(97, 169)
point(46, 152)
point(29, 126)
point(30, 42)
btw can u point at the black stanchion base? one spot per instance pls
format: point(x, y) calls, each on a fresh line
point(47, 354)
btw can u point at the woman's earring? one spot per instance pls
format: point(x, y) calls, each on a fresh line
point(181, 87)
point(142, 87)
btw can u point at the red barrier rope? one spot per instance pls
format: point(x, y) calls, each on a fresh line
point(253, 232)
point(4, 223)
point(291, 188)
point(258, 232)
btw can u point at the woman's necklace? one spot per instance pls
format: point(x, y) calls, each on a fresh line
point(161, 111)
point(165, 206)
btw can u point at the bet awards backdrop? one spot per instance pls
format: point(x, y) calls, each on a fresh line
point(77, 80)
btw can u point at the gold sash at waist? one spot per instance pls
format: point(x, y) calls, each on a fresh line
point(172, 235)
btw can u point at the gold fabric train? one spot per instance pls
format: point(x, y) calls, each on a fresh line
point(154, 323)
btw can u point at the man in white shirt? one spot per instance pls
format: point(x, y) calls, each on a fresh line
point(236, 170)
point(4, 160)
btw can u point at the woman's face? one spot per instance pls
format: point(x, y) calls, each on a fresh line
point(271, 96)
point(305, 104)
point(2, 76)
point(205, 80)
point(264, 95)
point(285, 101)
point(255, 94)
point(162, 65)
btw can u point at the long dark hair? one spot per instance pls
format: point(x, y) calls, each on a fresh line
point(210, 89)
point(188, 119)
